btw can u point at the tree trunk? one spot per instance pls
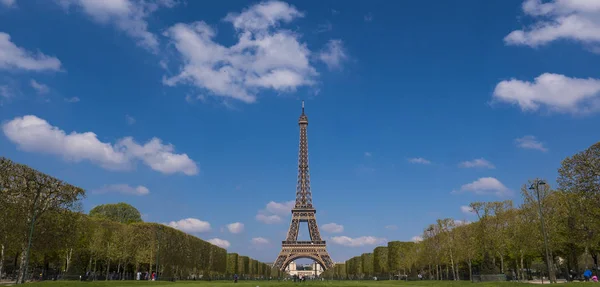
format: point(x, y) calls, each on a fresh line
point(447, 270)
point(21, 279)
point(1, 259)
point(522, 267)
point(150, 266)
point(107, 270)
point(453, 269)
point(470, 270)
point(501, 263)
point(68, 257)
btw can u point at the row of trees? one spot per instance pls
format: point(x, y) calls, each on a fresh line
point(43, 232)
point(505, 239)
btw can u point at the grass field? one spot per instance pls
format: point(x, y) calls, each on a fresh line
point(290, 284)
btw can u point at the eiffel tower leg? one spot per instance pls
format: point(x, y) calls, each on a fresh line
point(293, 231)
point(313, 229)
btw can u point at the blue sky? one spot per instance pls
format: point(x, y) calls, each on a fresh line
point(188, 110)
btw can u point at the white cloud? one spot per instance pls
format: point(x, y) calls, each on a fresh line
point(367, 154)
point(332, 228)
point(530, 142)
point(477, 163)
point(333, 54)
point(236, 227)
point(324, 28)
point(8, 3)
point(466, 209)
point(259, 241)
point(269, 219)
point(190, 225)
point(220, 242)
point(126, 15)
point(576, 20)
point(556, 92)
point(72, 100)
point(33, 134)
point(6, 91)
point(485, 185)
point(124, 189)
point(416, 239)
point(391, 227)
point(274, 211)
point(359, 241)
point(419, 160)
point(265, 56)
point(280, 208)
point(40, 88)
point(13, 57)
point(129, 119)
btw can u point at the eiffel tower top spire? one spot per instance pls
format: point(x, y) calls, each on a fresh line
point(303, 193)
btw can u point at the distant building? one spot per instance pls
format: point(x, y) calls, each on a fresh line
point(305, 270)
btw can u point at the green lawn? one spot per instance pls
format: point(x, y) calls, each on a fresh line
point(290, 284)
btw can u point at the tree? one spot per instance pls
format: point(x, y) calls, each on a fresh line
point(119, 212)
point(35, 193)
point(579, 175)
point(380, 261)
point(367, 264)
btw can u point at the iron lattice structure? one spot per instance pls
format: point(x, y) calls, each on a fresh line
point(303, 211)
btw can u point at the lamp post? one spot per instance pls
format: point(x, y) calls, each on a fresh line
point(536, 186)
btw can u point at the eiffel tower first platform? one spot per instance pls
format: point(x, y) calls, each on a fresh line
point(303, 211)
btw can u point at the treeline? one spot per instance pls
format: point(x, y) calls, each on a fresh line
point(505, 239)
point(64, 241)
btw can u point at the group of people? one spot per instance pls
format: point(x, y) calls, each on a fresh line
point(587, 275)
point(144, 276)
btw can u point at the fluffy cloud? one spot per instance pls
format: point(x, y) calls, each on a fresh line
point(33, 134)
point(264, 57)
point(359, 241)
point(275, 211)
point(220, 242)
point(124, 189)
point(40, 88)
point(419, 160)
point(333, 54)
point(485, 185)
point(332, 228)
point(416, 239)
point(477, 163)
point(577, 20)
point(530, 142)
point(466, 209)
point(129, 119)
point(8, 3)
point(126, 15)
point(236, 227)
point(556, 92)
point(259, 241)
point(6, 91)
point(190, 225)
point(269, 219)
point(13, 57)
point(280, 208)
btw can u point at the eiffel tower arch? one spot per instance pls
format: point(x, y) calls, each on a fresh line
point(303, 211)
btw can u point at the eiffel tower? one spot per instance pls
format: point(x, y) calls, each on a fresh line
point(303, 211)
